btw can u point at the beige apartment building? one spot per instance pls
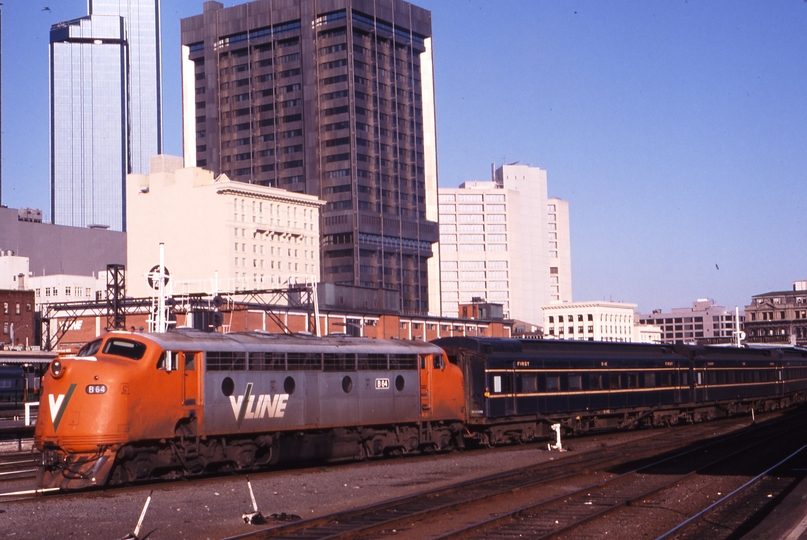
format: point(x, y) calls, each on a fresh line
point(218, 235)
point(505, 241)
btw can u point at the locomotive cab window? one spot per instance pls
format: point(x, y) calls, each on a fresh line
point(90, 348)
point(437, 360)
point(167, 360)
point(133, 350)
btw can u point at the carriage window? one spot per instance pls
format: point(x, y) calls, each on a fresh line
point(226, 361)
point(649, 380)
point(339, 362)
point(267, 361)
point(368, 362)
point(529, 382)
point(613, 381)
point(575, 382)
point(404, 361)
point(497, 384)
point(666, 379)
point(684, 379)
point(633, 380)
point(595, 382)
point(552, 383)
point(305, 361)
point(125, 348)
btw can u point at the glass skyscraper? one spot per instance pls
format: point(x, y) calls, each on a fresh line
point(106, 118)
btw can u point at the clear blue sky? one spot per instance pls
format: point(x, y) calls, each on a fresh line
point(677, 130)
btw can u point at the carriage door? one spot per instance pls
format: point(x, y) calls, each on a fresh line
point(475, 385)
point(509, 389)
point(425, 385)
point(190, 377)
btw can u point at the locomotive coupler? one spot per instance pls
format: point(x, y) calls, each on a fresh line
point(50, 458)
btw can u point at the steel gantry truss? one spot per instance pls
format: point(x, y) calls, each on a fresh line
point(116, 309)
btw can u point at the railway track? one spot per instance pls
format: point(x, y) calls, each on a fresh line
point(18, 466)
point(641, 496)
point(549, 486)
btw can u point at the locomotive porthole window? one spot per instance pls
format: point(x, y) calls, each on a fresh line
point(399, 383)
point(347, 384)
point(227, 386)
point(289, 385)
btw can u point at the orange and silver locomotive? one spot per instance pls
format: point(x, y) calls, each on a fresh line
point(133, 406)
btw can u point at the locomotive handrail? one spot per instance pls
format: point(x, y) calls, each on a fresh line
point(28, 406)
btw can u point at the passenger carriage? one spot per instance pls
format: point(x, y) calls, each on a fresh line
point(516, 389)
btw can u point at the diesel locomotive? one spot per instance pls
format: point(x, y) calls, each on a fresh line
point(133, 406)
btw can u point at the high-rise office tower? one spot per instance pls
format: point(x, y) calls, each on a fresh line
point(331, 98)
point(505, 241)
point(106, 117)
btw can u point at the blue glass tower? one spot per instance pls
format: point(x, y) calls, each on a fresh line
point(106, 118)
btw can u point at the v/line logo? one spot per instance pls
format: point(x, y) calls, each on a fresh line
point(246, 406)
point(58, 404)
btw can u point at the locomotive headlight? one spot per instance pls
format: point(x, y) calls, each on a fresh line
point(56, 369)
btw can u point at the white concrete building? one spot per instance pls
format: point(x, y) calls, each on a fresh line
point(590, 321)
point(59, 288)
point(13, 271)
point(504, 241)
point(646, 333)
point(219, 235)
